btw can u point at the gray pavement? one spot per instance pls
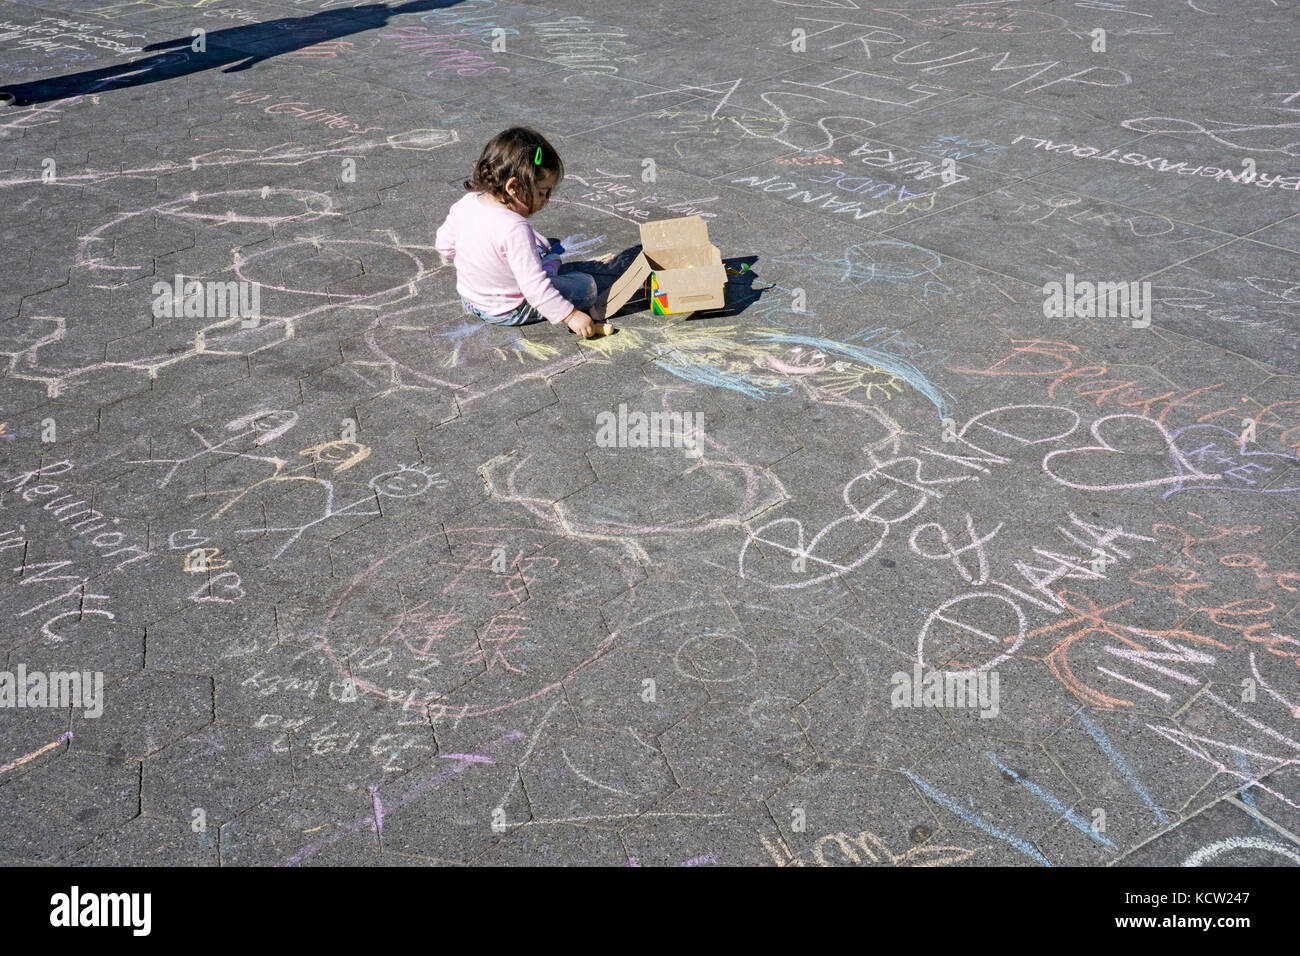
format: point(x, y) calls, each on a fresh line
point(950, 577)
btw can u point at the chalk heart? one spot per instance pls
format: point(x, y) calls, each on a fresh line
point(1227, 445)
point(1087, 466)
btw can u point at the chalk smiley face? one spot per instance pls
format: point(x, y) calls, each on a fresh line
point(408, 481)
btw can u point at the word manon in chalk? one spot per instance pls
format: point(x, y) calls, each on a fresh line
point(945, 689)
point(196, 299)
point(1102, 300)
point(57, 689)
point(650, 430)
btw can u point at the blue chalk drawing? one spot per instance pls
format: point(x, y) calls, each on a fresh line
point(1121, 764)
point(1071, 817)
point(898, 367)
point(948, 803)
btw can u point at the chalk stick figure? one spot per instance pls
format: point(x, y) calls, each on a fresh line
point(342, 455)
point(408, 481)
point(262, 426)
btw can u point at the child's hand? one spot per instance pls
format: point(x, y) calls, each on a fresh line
point(580, 323)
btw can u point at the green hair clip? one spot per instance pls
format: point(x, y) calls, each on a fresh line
point(537, 157)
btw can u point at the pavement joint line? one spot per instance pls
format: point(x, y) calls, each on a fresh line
point(1258, 815)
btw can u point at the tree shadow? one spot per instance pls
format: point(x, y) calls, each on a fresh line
point(236, 48)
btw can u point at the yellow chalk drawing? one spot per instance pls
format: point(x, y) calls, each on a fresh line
point(900, 206)
point(867, 849)
point(527, 348)
point(627, 340)
point(342, 455)
point(755, 360)
point(203, 560)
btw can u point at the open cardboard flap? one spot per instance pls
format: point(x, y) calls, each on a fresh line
point(685, 270)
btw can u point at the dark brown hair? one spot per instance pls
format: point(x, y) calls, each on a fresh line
point(515, 152)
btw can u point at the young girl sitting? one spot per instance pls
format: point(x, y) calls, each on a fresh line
point(505, 272)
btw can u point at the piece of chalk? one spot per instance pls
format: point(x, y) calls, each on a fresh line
point(602, 328)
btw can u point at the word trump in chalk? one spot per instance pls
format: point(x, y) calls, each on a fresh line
point(58, 690)
point(650, 430)
point(945, 689)
point(196, 299)
point(1103, 300)
point(74, 909)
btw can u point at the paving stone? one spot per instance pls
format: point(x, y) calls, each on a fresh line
point(774, 746)
point(617, 773)
point(221, 770)
point(699, 828)
point(87, 794)
point(634, 689)
point(445, 809)
point(1224, 836)
point(303, 826)
point(27, 732)
point(354, 753)
point(165, 842)
point(552, 844)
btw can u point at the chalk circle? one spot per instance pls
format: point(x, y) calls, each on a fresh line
point(409, 481)
point(1206, 854)
point(987, 641)
point(725, 655)
point(341, 642)
point(316, 205)
point(423, 139)
point(220, 205)
point(345, 247)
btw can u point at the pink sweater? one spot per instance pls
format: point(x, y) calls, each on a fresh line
point(498, 261)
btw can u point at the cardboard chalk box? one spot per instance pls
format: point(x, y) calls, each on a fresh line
point(682, 269)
